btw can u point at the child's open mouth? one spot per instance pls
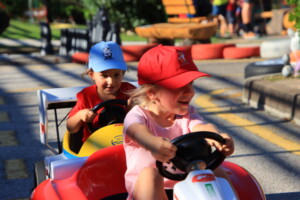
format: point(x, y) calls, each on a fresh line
point(184, 102)
point(110, 88)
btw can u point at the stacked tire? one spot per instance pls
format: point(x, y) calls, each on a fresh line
point(80, 57)
point(264, 67)
point(226, 51)
point(209, 51)
point(241, 52)
point(275, 48)
point(135, 52)
point(130, 52)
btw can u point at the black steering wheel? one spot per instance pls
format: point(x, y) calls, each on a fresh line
point(190, 148)
point(111, 114)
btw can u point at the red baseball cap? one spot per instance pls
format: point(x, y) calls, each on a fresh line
point(168, 66)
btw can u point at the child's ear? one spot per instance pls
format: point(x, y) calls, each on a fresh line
point(152, 94)
point(90, 73)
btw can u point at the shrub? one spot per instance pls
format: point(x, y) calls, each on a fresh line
point(4, 22)
point(128, 13)
point(295, 14)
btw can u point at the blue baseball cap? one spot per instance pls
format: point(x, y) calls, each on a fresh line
point(106, 55)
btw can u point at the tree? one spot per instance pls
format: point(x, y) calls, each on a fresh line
point(128, 13)
point(4, 22)
point(295, 14)
point(15, 8)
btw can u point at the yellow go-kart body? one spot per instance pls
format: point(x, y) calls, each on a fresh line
point(104, 137)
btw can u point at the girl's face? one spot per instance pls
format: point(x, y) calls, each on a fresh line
point(108, 82)
point(176, 101)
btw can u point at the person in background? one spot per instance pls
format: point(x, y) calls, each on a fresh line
point(232, 17)
point(246, 14)
point(219, 14)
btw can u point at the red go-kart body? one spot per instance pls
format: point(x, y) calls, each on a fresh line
point(102, 177)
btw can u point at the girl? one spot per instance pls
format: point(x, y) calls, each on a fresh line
point(106, 68)
point(162, 113)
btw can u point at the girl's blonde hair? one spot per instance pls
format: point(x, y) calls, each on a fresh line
point(139, 95)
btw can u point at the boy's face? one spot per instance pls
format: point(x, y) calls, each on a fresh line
point(108, 82)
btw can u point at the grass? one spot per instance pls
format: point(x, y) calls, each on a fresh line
point(24, 30)
point(279, 77)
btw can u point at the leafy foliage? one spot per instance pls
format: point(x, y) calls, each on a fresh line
point(129, 13)
point(295, 14)
point(15, 7)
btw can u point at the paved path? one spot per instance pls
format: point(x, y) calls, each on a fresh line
point(276, 168)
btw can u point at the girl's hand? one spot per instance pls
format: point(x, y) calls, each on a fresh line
point(87, 115)
point(162, 150)
point(227, 148)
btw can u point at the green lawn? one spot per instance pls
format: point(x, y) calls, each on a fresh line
point(23, 30)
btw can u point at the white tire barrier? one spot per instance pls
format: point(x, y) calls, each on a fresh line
point(275, 48)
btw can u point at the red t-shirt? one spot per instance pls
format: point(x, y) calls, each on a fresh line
point(88, 98)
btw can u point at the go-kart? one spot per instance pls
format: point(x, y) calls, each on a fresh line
point(67, 160)
point(102, 175)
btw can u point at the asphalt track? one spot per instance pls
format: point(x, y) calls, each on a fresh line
point(265, 133)
point(19, 139)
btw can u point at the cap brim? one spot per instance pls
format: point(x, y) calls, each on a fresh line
point(106, 65)
point(181, 80)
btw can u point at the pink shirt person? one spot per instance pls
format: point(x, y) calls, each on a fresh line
point(137, 157)
point(161, 111)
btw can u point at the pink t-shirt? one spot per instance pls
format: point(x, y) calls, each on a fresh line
point(137, 157)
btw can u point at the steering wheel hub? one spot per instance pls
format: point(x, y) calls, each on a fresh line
point(191, 148)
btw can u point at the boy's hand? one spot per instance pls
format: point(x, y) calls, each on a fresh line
point(163, 150)
point(87, 115)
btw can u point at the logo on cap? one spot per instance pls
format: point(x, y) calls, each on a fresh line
point(107, 53)
point(181, 58)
